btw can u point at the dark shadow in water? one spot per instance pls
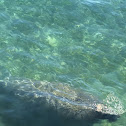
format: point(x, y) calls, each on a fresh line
point(16, 111)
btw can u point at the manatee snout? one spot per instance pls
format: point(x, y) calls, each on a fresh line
point(103, 113)
point(109, 117)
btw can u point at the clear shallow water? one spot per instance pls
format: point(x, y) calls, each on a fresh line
point(82, 43)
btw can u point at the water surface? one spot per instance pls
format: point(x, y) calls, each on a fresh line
point(82, 43)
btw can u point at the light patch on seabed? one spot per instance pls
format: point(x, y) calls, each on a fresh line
point(52, 41)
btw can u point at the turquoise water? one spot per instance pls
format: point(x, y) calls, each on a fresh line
point(82, 43)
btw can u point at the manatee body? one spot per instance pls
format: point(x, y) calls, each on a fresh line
point(63, 99)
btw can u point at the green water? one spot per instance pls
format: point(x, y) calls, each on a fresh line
point(80, 42)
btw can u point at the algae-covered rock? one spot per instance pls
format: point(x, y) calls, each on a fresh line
point(63, 99)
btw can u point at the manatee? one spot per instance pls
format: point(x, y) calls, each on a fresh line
point(63, 99)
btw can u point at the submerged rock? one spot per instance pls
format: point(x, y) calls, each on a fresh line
point(63, 99)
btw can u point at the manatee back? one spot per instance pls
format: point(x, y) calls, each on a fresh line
point(62, 98)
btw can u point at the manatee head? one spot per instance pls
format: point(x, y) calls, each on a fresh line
point(105, 112)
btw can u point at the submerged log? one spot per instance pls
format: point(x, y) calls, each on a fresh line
point(63, 99)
